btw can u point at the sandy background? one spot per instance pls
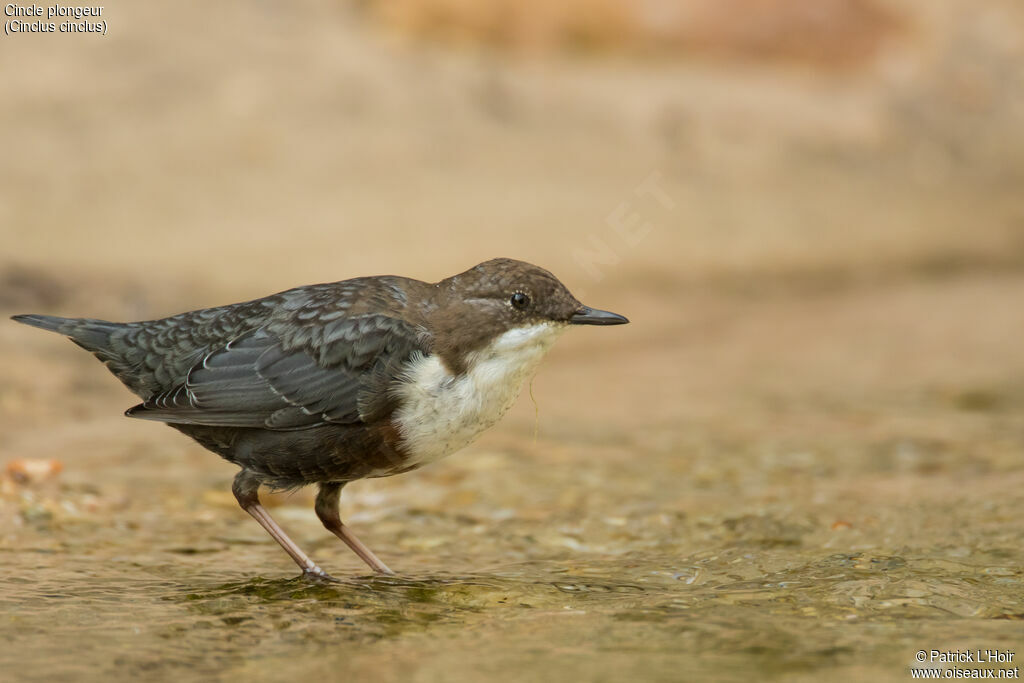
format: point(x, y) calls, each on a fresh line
point(197, 156)
point(825, 285)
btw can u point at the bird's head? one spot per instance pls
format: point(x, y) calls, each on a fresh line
point(506, 305)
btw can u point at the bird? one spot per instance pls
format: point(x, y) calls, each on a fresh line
point(331, 383)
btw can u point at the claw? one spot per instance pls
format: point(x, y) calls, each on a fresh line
point(315, 573)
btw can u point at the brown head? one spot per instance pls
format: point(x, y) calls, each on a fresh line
point(497, 296)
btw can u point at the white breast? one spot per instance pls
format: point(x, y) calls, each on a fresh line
point(441, 413)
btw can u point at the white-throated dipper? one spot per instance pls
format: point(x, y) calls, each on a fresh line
point(335, 382)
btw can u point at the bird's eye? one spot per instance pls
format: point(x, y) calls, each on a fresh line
point(519, 301)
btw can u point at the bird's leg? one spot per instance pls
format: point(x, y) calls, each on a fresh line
point(327, 511)
point(245, 489)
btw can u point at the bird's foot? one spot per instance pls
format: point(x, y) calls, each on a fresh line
point(315, 573)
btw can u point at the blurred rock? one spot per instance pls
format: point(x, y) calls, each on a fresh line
point(31, 471)
point(823, 32)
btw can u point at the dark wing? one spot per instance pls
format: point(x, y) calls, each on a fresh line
point(289, 378)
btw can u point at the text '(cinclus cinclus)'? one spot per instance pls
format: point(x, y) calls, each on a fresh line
point(331, 383)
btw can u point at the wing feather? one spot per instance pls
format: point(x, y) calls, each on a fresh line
point(259, 380)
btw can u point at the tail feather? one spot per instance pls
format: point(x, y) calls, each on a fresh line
point(46, 322)
point(114, 344)
point(90, 334)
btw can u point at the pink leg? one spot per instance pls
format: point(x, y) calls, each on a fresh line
point(327, 511)
point(245, 490)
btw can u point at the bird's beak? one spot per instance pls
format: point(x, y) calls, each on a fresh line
point(592, 316)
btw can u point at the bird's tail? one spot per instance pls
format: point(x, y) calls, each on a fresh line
point(90, 334)
point(110, 342)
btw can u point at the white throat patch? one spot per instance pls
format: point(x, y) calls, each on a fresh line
point(441, 413)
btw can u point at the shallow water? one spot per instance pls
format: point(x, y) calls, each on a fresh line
point(160, 590)
point(524, 621)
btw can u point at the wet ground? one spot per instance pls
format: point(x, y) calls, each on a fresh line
point(802, 460)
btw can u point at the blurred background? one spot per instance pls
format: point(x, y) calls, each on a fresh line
point(811, 210)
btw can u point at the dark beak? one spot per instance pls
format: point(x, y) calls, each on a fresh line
point(592, 316)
